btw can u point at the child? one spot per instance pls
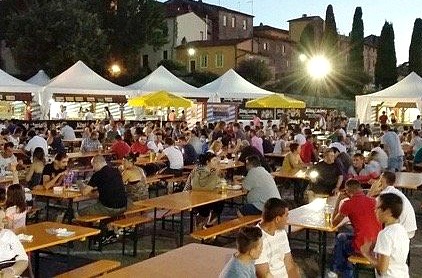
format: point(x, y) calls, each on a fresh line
point(392, 246)
point(15, 207)
point(249, 247)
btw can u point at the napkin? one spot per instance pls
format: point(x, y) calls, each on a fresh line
point(23, 237)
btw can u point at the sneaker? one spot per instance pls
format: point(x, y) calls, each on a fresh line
point(331, 274)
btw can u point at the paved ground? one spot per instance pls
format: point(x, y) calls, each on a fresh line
point(306, 260)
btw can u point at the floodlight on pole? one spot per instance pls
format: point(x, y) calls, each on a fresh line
point(115, 69)
point(191, 51)
point(318, 67)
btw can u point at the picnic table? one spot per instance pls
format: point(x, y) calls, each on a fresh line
point(222, 166)
point(78, 155)
point(408, 180)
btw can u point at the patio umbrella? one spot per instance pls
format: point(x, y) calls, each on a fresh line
point(159, 99)
point(275, 101)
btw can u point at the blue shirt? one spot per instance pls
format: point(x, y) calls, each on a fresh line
point(237, 269)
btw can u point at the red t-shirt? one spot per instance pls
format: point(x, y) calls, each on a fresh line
point(383, 119)
point(361, 212)
point(306, 151)
point(139, 148)
point(120, 148)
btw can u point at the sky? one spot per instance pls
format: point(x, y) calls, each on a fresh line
point(375, 12)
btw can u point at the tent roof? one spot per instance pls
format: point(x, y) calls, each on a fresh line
point(163, 80)
point(232, 85)
point(79, 79)
point(408, 87)
point(10, 84)
point(41, 78)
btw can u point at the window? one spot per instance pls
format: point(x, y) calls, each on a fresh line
point(224, 20)
point(233, 22)
point(165, 55)
point(283, 48)
point(244, 24)
point(202, 35)
point(265, 46)
point(219, 60)
point(287, 64)
point(204, 61)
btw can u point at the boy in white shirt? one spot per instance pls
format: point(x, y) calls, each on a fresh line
point(392, 246)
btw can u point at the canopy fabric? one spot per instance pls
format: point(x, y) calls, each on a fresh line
point(409, 89)
point(40, 79)
point(275, 101)
point(232, 85)
point(163, 80)
point(10, 84)
point(159, 99)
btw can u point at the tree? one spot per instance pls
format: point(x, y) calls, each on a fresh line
point(385, 67)
point(52, 35)
point(356, 42)
point(330, 36)
point(255, 71)
point(415, 49)
point(307, 42)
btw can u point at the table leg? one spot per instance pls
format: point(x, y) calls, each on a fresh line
point(323, 253)
point(47, 206)
point(36, 264)
point(191, 222)
point(154, 232)
point(181, 229)
point(70, 213)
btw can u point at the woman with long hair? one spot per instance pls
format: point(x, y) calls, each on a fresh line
point(15, 207)
point(34, 175)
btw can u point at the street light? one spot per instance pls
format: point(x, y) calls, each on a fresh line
point(302, 57)
point(115, 70)
point(191, 51)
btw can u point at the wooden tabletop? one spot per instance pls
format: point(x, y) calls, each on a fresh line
point(77, 155)
point(189, 199)
point(276, 155)
point(6, 180)
point(73, 141)
point(221, 166)
point(190, 261)
point(311, 216)
point(301, 174)
point(408, 180)
point(43, 239)
point(49, 193)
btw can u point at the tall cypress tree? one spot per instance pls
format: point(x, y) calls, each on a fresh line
point(330, 36)
point(307, 41)
point(356, 42)
point(385, 67)
point(415, 49)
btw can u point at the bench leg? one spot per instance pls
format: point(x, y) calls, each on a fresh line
point(135, 240)
point(123, 241)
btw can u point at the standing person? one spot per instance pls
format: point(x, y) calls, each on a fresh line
point(260, 186)
point(249, 248)
point(89, 116)
point(417, 123)
point(392, 245)
point(112, 199)
point(276, 259)
point(172, 116)
point(34, 142)
point(256, 121)
point(62, 114)
point(34, 174)
point(383, 118)
point(360, 210)
point(183, 116)
point(392, 147)
point(107, 114)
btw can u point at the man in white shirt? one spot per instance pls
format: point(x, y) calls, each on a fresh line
point(416, 142)
point(7, 157)
point(276, 259)
point(89, 116)
point(417, 123)
point(155, 145)
point(62, 114)
point(67, 132)
point(381, 156)
point(34, 142)
point(174, 156)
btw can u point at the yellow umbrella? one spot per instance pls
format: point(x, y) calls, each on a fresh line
point(159, 99)
point(275, 101)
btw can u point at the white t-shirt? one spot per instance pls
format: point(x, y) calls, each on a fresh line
point(11, 247)
point(392, 241)
point(417, 124)
point(174, 156)
point(14, 140)
point(407, 217)
point(14, 218)
point(89, 116)
point(4, 162)
point(67, 133)
point(300, 139)
point(155, 147)
point(35, 142)
point(340, 147)
point(273, 250)
point(381, 157)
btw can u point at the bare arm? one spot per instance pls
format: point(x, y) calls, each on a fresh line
point(30, 173)
point(50, 182)
point(291, 267)
point(16, 270)
point(381, 262)
point(263, 271)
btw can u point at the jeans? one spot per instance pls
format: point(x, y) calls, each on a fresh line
point(100, 209)
point(342, 250)
point(395, 164)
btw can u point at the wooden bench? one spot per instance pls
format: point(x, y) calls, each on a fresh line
point(91, 220)
point(226, 227)
point(134, 209)
point(360, 263)
point(94, 269)
point(126, 224)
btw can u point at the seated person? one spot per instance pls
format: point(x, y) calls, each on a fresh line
point(329, 177)
point(112, 200)
point(174, 156)
point(260, 186)
point(91, 143)
point(134, 179)
point(13, 259)
point(140, 146)
point(249, 248)
point(55, 141)
point(155, 145)
point(246, 150)
point(292, 161)
point(34, 175)
point(205, 177)
point(392, 245)
point(308, 154)
point(120, 148)
point(7, 157)
point(359, 171)
point(15, 207)
point(54, 173)
point(189, 153)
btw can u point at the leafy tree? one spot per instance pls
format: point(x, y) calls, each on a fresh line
point(255, 71)
point(307, 43)
point(173, 66)
point(53, 35)
point(330, 36)
point(415, 49)
point(385, 67)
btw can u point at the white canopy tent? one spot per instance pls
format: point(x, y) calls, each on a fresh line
point(409, 89)
point(13, 89)
point(40, 79)
point(232, 86)
point(163, 80)
point(79, 83)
